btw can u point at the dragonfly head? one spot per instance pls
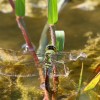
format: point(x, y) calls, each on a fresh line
point(50, 49)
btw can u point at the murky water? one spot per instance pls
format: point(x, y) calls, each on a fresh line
point(81, 29)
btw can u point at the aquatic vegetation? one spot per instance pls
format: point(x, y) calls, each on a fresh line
point(18, 78)
point(93, 82)
point(27, 84)
point(20, 7)
point(28, 89)
point(92, 48)
point(52, 12)
point(60, 40)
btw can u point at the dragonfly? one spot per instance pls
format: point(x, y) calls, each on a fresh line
point(20, 63)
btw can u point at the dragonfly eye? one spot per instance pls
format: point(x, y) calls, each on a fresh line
point(51, 47)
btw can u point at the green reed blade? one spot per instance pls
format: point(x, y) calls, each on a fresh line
point(80, 79)
point(20, 7)
point(60, 39)
point(52, 11)
point(93, 82)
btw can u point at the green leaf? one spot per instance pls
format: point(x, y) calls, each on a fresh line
point(20, 7)
point(93, 82)
point(60, 39)
point(52, 11)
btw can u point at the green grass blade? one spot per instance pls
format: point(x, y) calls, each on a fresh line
point(80, 80)
point(20, 7)
point(93, 83)
point(60, 40)
point(52, 11)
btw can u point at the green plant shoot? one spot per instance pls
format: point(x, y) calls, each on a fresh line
point(20, 7)
point(60, 39)
point(93, 82)
point(80, 79)
point(52, 12)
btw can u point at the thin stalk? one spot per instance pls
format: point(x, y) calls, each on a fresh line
point(55, 79)
point(80, 79)
point(55, 83)
point(22, 27)
point(47, 85)
point(12, 4)
point(53, 36)
point(80, 82)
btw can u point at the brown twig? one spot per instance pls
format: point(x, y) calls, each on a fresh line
point(12, 4)
point(52, 32)
point(22, 27)
point(55, 83)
